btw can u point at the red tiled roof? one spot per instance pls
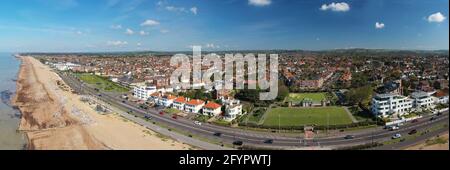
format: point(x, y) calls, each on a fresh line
point(180, 100)
point(195, 102)
point(156, 94)
point(441, 93)
point(212, 105)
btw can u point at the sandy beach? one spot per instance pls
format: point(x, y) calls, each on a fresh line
point(54, 118)
point(429, 146)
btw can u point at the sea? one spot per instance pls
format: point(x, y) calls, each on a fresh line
point(10, 138)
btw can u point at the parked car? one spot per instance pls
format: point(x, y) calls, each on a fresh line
point(161, 113)
point(415, 121)
point(396, 136)
point(217, 134)
point(198, 123)
point(349, 137)
point(412, 132)
point(175, 117)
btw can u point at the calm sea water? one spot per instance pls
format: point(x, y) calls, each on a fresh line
point(10, 139)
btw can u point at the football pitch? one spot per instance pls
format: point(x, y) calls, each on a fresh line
point(307, 116)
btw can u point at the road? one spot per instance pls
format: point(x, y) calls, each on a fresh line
point(251, 138)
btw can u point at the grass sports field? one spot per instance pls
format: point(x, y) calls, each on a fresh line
point(101, 83)
point(317, 97)
point(307, 116)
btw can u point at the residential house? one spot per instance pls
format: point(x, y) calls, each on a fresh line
point(194, 106)
point(212, 109)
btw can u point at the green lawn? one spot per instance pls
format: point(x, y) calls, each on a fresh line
point(101, 83)
point(307, 116)
point(317, 97)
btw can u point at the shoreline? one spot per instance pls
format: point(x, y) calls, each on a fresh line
point(53, 118)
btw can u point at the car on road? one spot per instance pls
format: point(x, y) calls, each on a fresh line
point(148, 117)
point(412, 132)
point(217, 134)
point(198, 123)
point(349, 137)
point(392, 128)
point(268, 141)
point(414, 121)
point(433, 118)
point(161, 113)
point(123, 101)
point(396, 136)
point(175, 117)
point(238, 143)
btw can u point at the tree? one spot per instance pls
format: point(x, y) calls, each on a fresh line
point(437, 85)
point(359, 95)
point(283, 91)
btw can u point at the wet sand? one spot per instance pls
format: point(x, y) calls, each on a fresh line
point(54, 118)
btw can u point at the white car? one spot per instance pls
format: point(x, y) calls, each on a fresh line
point(394, 128)
point(396, 136)
point(198, 123)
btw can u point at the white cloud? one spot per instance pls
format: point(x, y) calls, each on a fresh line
point(150, 22)
point(337, 7)
point(259, 2)
point(211, 45)
point(116, 27)
point(129, 32)
point(379, 25)
point(164, 31)
point(79, 33)
point(139, 44)
point(194, 10)
point(143, 33)
point(116, 43)
point(436, 17)
point(175, 9)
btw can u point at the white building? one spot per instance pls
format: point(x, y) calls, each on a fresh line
point(179, 103)
point(167, 100)
point(389, 104)
point(422, 100)
point(194, 106)
point(143, 92)
point(212, 109)
point(441, 97)
point(233, 109)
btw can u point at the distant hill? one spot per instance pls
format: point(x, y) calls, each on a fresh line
point(334, 52)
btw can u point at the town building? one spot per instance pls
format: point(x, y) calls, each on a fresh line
point(194, 106)
point(422, 100)
point(167, 100)
point(388, 104)
point(143, 92)
point(441, 97)
point(212, 109)
point(179, 103)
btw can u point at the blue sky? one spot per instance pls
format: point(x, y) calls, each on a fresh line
point(166, 25)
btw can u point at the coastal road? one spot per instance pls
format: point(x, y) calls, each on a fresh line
point(251, 138)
